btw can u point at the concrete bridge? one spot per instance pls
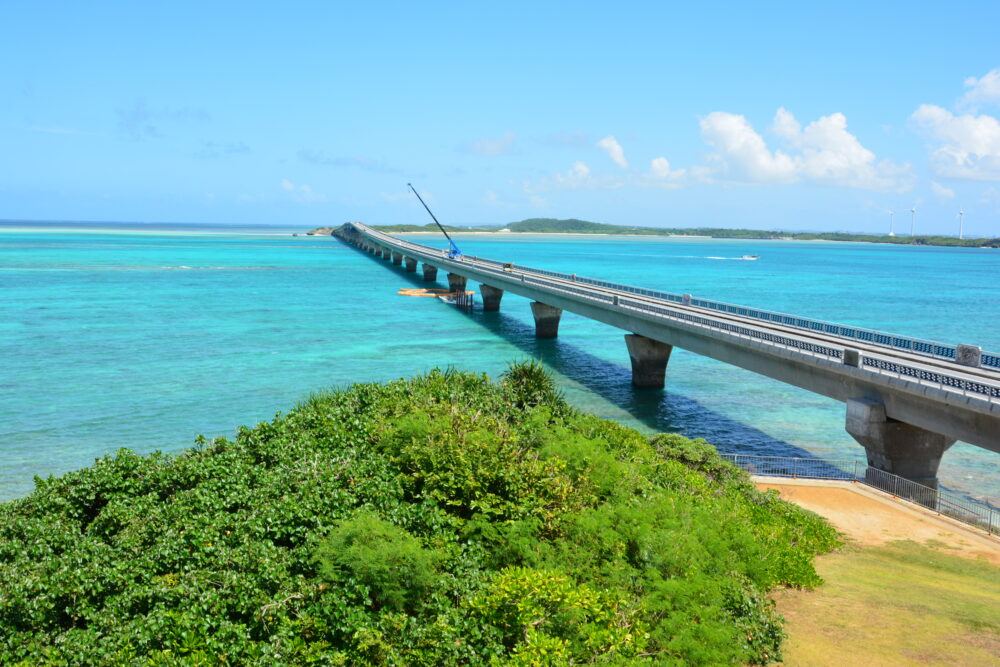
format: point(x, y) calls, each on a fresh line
point(908, 400)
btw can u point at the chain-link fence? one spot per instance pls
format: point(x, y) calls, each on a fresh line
point(948, 503)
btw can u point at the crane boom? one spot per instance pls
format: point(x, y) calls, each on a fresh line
point(453, 250)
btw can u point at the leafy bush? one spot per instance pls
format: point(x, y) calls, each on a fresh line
point(386, 559)
point(545, 617)
point(441, 520)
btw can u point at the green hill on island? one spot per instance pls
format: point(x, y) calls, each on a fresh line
point(442, 520)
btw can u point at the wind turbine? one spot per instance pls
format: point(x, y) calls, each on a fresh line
point(961, 219)
point(891, 213)
point(913, 214)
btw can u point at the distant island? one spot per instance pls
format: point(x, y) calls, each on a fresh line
point(575, 226)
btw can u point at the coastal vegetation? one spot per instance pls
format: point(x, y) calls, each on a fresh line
point(574, 226)
point(446, 519)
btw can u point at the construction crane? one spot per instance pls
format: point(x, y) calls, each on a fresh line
point(453, 250)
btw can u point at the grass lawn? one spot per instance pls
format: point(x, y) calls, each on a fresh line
point(900, 603)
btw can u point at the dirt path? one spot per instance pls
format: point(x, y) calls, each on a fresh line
point(870, 518)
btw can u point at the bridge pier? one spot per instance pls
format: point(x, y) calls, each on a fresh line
point(397, 258)
point(456, 283)
point(386, 253)
point(491, 297)
point(546, 319)
point(896, 447)
point(430, 272)
point(411, 264)
point(649, 361)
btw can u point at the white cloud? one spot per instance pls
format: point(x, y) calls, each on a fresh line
point(742, 153)
point(983, 91)
point(785, 126)
point(660, 167)
point(614, 150)
point(824, 152)
point(831, 154)
point(303, 194)
point(967, 146)
point(493, 146)
point(662, 175)
point(577, 176)
point(941, 191)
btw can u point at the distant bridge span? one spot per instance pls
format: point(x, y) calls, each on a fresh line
point(908, 400)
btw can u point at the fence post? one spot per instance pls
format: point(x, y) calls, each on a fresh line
point(795, 463)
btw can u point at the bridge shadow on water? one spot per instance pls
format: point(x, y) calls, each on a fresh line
point(657, 410)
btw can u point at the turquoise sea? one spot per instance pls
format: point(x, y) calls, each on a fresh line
point(145, 336)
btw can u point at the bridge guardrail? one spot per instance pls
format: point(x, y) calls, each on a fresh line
point(932, 376)
point(738, 330)
point(943, 501)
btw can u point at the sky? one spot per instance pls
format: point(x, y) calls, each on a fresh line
point(766, 115)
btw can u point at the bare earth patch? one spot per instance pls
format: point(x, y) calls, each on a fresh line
point(909, 588)
point(868, 517)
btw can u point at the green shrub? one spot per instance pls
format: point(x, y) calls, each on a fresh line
point(545, 618)
point(386, 559)
point(528, 385)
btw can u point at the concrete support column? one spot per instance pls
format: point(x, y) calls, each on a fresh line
point(386, 253)
point(456, 283)
point(430, 272)
point(397, 258)
point(896, 447)
point(491, 297)
point(546, 320)
point(649, 361)
point(411, 264)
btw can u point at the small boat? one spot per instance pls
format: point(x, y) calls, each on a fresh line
point(749, 257)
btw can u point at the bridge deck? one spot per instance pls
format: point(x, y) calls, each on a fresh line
point(923, 388)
